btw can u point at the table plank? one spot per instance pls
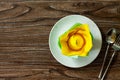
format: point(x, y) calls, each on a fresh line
point(24, 31)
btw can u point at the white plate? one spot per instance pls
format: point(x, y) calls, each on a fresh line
point(62, 26)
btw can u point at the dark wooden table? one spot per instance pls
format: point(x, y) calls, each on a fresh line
point(24, 30)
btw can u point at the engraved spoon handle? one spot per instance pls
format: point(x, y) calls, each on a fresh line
point(100, 74)
point(108, 65)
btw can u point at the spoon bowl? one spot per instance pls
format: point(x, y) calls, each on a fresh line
point(111, 36)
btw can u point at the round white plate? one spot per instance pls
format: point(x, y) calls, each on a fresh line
point(62, 26)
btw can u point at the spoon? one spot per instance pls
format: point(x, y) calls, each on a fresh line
point(110, 39)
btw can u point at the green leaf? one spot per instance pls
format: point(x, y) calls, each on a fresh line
point(59, 44)
point(75, 26)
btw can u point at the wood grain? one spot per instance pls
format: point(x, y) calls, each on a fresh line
point(24, 31)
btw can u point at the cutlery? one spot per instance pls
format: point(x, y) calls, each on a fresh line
point(116, 47)
point(110, 39)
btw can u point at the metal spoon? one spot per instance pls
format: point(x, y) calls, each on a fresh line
point(116, 47)
point(110, 38)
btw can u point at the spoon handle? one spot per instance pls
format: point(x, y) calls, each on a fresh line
point(100, 74)
point(108, 65)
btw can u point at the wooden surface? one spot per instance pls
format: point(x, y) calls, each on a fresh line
point(24, 31)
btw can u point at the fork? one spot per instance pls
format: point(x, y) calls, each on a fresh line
point(116, 47)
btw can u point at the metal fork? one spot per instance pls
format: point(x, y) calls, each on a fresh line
point(116, 47)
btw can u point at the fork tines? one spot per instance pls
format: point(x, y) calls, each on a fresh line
point(117, 41)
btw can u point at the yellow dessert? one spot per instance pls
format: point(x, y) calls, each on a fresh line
point(77, 41)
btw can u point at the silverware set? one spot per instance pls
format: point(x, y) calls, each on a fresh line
point(113, 39)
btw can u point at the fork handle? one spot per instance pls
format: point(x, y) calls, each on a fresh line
point(100, 74)
point(108, 65)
